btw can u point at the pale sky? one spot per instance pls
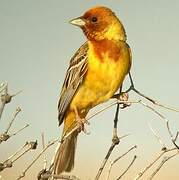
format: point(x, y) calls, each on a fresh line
point(36, 44)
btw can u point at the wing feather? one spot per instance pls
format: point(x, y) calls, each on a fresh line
point(74, 77)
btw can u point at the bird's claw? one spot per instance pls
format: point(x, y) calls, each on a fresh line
point(81, 125)
point(124, 96)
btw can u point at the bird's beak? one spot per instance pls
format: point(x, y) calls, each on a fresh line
point(78, 22)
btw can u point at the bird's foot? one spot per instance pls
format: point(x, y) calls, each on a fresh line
point(123, 97)
point(81, 122)
point(81, 125)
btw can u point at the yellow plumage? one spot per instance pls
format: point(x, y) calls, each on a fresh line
point(96, 72)
point(103, 78)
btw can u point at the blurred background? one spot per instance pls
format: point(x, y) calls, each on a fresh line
point(36, 44)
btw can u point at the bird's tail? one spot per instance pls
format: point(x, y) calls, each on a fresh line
point(65, 154)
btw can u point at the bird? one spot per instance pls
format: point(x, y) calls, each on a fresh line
point(96, 71)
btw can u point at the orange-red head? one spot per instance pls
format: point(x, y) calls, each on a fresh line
point(100, 23)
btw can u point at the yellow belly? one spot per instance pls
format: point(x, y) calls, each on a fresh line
point(101, 81)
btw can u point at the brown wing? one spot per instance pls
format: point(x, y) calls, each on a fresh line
point(74, 77)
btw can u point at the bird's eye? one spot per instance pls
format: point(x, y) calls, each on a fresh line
point(94, 19)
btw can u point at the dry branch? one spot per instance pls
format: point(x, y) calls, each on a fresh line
point(165, 159)
point(18, 154)
point(121, 103)
point(47, 175)
point(107, 157)
point(132, 88)
point(166, 121)
point(43, 146)
point(157, 137)
point(18, 110)
point(116, 160)
point(38, 156)
point(128, 103)
point(5, 136)
point(5, 97)
point(141, 173)
point(132, 162)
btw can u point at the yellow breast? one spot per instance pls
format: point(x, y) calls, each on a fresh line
point(107, 66)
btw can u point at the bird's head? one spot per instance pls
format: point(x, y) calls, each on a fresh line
point(100, 23)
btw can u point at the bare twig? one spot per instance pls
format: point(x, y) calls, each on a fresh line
point(115, 138)
point(132, 88)
point(164, 149)
point(43, 146)
point(18, 151)
point(132, 148)
point(3, 86)
point(46, 176)
point(9, 162)
point(114, 143)
point(116, 160)
point(5, 136)
point(5, 97)
point(157, 137)
point(132, 162)
point(18, 110)
point(21, 129)
point(141, 173)
point(176, 137)
point(17, 93)
point(165, 159)
point(98, 112)
point(30, 145)
point(166, 121)
point(38, 156)
point(155, 102)
point(128, 102)
point(105, 159)
point(110, 105)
